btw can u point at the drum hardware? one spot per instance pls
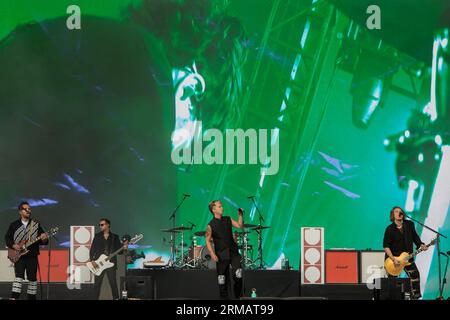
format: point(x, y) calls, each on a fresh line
point(173, 217)
point(177, 249)
point(259, 228)
point(198, 257)
point(242, 241)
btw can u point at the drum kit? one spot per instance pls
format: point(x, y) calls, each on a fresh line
point(196, 255)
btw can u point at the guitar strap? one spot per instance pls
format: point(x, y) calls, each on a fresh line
point(31, 230)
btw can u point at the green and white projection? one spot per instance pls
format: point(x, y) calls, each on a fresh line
point(116, 108)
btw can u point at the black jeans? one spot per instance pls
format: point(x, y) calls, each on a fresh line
point(29, 265)
point(414, 277)
point(223, 276)
point(111, 274)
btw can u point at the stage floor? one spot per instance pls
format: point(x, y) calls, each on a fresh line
point(202, 284)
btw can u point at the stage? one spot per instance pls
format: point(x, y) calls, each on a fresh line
point(202, 285)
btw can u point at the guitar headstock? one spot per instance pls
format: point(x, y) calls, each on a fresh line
point(136, 238)
point(433, 242)
point(53, 231)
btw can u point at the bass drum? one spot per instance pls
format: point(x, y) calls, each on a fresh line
point(206, 261)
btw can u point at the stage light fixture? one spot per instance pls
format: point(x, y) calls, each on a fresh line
point(370, 85)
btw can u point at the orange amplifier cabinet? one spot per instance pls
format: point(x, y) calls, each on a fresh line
point(341, 266)
point(59, 264)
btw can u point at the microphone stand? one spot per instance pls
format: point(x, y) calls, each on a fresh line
point(242, 293)
point(48, 263)
point(173, 218)
point(261, 220)
point(444, 279)
point(438, 240)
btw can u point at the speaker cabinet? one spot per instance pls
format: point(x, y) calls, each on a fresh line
point(392, 289)
point(372, 265)
point(138, 287)
point(341, 266)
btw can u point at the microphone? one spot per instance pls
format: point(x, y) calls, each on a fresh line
point(186, 195)
point(241, 211)
point(250, 197)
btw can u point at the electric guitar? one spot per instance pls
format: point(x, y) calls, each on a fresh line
point(14, 255)
point(103, 262)
point(404, 258)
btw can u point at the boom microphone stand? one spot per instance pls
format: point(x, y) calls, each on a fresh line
point(444, 279)
point(438, 240)
point(173, 218)
point(242, 293)
point(50, 236)
point(261, 220)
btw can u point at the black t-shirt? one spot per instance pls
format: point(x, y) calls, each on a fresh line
point(399, 241)
point(224, 244)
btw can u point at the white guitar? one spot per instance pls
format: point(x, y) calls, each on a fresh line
point(103, 262)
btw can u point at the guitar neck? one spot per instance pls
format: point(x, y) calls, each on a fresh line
point(32, 242)
point(412, 255)
point(115, 253)
point(112, 255)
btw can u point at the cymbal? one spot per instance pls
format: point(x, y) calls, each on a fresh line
point(250, 225)
point(200, 233)
point(241, 233)
point(170, 230)
point(182, 228)
point(260, 227)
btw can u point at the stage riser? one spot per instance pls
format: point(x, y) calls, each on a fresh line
point(338, 291)
point(202, 284)
point(58, 291)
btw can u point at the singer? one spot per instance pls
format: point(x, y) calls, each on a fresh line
point(225, 250)
point(30, 230)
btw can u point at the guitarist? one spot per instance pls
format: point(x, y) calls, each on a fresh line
point(19, 230)
point(106, 242)
point(399, 237)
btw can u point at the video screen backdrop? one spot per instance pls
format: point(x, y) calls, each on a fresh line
point(93, 109)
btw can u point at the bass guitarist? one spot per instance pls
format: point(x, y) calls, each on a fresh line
point(106, 242)
point(29, 230)
point(399, 237)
